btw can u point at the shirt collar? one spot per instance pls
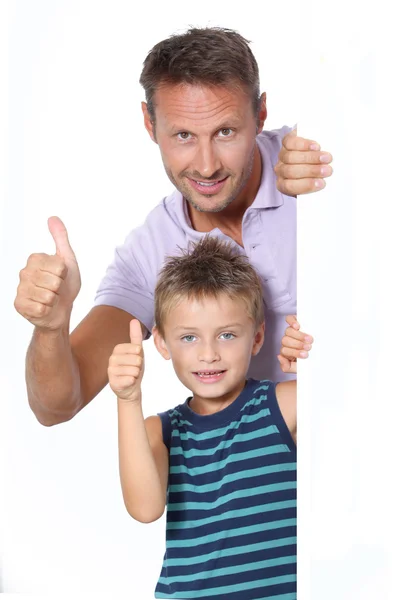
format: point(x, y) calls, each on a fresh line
point(268, 195)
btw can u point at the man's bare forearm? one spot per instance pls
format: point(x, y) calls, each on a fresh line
point(52, 377)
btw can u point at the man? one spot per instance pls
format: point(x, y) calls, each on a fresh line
point(204, 110)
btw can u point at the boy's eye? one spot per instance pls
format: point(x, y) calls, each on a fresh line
point(227, 336)
point(188, 338)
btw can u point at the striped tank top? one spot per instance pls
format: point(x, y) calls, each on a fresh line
point(231, 502)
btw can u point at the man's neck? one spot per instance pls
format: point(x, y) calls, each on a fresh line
point(229, 220)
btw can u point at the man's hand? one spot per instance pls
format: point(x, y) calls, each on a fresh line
point(295, 344)
point(49, 284)
point(301, 166)
point(126, 366)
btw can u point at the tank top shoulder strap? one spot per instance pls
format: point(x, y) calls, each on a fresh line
point(166, 427)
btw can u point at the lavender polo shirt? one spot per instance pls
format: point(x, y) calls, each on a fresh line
point(269, 238)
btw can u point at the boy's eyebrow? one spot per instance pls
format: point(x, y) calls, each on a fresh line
point(229, 326)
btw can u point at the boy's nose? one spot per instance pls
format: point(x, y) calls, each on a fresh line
point(209, 354)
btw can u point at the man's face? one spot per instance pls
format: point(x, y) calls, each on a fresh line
point(210, 342)
point(207, 139)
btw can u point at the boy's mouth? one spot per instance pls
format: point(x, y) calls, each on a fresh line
point(209, 376)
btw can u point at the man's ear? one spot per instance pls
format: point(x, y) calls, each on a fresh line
point(148, 123)
point(262, 112)
point(160, 344)
point(258, 339)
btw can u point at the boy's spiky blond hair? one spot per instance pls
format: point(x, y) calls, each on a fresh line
point(208, 269)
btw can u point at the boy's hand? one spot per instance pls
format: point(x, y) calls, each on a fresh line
point(295, 344)
point(287, 366)
point(301, 166)
point(126, 366)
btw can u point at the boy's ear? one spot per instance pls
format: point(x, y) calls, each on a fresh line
point(258, 339)
point(160, 344)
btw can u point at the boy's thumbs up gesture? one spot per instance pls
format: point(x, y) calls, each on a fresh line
point(126, 366)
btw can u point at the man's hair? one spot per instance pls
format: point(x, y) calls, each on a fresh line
point(209, 56)
point(208, 269)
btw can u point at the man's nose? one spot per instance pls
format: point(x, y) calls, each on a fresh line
point(207, 161)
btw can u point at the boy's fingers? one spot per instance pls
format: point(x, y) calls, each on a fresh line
point(285, 363)
point(135, 332)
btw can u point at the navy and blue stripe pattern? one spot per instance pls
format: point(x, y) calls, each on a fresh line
point(231, 509)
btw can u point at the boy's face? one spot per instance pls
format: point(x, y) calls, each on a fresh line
point(210, 343)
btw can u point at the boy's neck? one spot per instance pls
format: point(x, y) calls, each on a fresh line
point(209, 406)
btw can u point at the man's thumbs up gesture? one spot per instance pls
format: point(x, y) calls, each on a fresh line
point(49, 284)
point(126, 366)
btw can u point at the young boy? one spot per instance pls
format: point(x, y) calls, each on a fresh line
point(224, 461)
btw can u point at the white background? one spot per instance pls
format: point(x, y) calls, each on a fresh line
point(75, 146)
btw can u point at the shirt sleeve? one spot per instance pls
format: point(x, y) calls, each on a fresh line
point(127, 283)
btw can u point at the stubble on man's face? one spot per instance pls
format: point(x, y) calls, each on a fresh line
point(238, 184)
point(219, 130)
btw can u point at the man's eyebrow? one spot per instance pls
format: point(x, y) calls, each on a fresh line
point(225, 124)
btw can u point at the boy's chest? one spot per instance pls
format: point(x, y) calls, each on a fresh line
point(214, 467)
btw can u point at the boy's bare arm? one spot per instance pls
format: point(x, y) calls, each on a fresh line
point(286, 394)
point(143, 457)
point(143, 463)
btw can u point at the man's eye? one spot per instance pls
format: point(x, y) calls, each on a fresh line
point(183, 135)
point(227, 336)
point(188, 338)
point(226, 132)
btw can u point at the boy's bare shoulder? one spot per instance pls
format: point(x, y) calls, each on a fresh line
point(154, 428)
point(286, 395)
point(286, 389)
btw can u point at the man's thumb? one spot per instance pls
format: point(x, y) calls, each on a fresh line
point(60, 237)
point(135, 332)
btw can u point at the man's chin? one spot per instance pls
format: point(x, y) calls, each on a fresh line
point(209, 203)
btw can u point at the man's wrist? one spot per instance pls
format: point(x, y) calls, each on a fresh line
point(52, 333)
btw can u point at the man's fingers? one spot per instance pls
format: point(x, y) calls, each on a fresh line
point(135, 332)
point(32, 310)
point(289, 342)
point(292, 353)
point(292, 141)
point(299, 335)
point(42, 295)
point(305, 171)
point(293, 157)
point(296, 187)
point(292, 321)
point(60, 236)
